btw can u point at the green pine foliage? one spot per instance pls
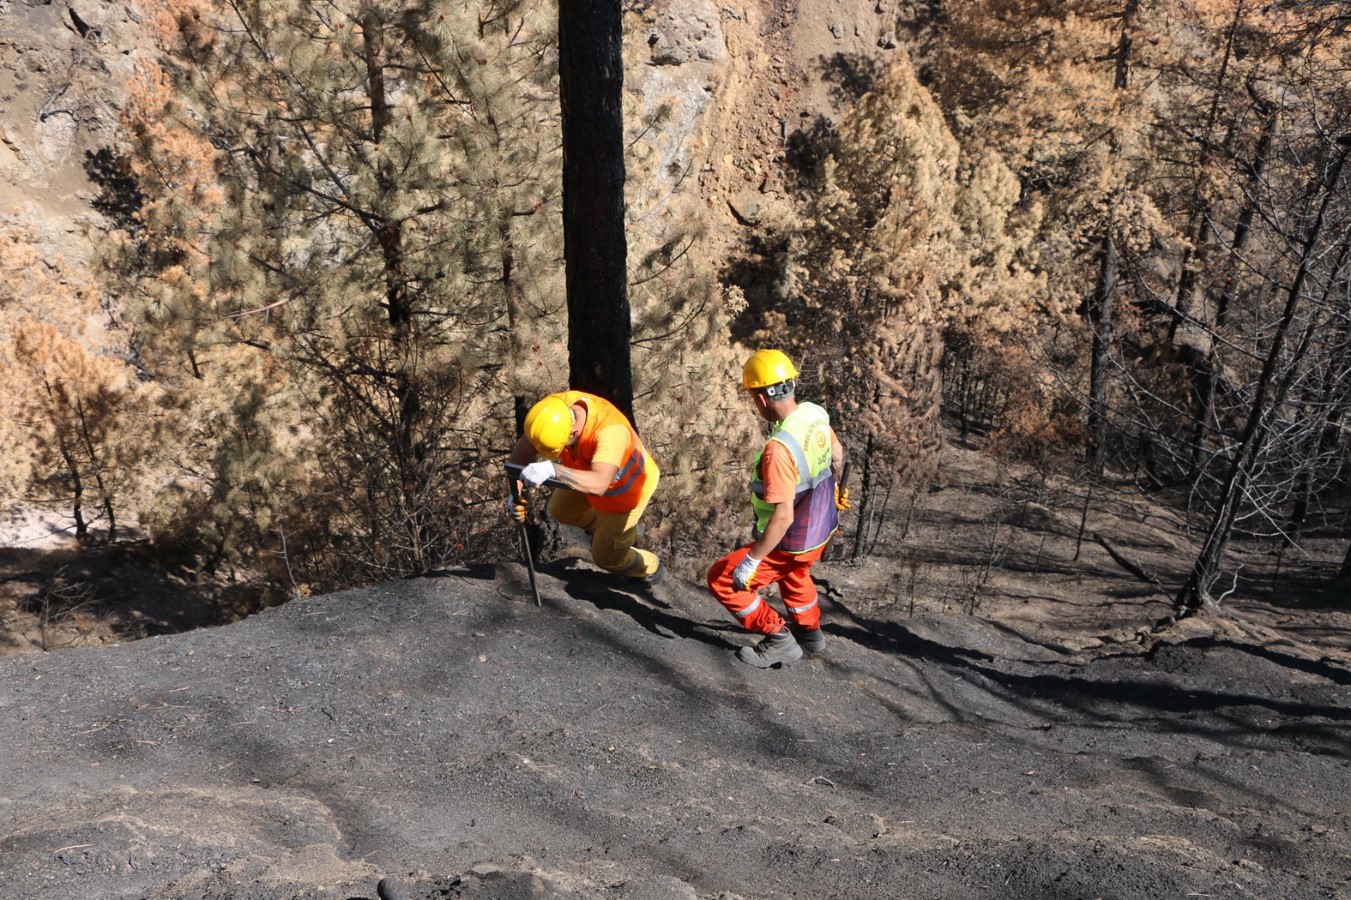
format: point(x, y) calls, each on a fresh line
point(369, 278)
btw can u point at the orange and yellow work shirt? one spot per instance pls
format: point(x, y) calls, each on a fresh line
point(778, 470)
point(607, 437)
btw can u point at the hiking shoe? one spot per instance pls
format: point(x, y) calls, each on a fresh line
point(773, 650)
point(810, 639)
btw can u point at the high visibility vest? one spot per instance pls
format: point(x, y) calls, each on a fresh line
point(626, 490)
point(806, 434)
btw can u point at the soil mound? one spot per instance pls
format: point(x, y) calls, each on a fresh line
point(444, 737)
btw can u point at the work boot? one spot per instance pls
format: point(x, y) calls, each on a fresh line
point(655, 578)
point(776, 648)
point(810, 639)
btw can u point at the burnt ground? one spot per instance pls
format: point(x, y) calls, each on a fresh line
point(1030, 738)
point(993, 715)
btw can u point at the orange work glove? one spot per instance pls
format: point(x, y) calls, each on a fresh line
point(842, 497)
point(516, 509)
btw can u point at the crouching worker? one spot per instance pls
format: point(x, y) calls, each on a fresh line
point(796, 505)
point(606, 477)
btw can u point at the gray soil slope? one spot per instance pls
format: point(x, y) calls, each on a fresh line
point(448, 737)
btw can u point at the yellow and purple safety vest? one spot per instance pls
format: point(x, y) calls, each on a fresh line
point(806, 434)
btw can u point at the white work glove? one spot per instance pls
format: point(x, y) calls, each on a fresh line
point(538, 472)
point(744, 572)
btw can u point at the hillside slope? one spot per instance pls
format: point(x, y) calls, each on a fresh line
point(447, 734)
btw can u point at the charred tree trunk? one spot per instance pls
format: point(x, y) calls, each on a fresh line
point(96, 468)
point(388, 232)
point(1100, 308)
point(1209, 374)
point(77, 493)
point(1194, 597)
point(1323, 421)
point(1190, 298)
point(1100, 312)
point(511, 293)
point(863, 516)
point(590, 84)
point(403, 377)
point(1243, 229)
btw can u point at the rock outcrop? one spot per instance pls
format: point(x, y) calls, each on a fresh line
point(738, 79)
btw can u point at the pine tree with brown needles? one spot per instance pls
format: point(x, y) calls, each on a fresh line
point(907, 238)
point(78, 421)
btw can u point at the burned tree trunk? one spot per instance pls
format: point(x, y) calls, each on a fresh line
point(1100, 307)
point(591, 81)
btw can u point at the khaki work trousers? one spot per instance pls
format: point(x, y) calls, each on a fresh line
point(612, 534)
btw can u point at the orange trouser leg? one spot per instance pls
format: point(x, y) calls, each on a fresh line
point(791, 573)
point(799, 594)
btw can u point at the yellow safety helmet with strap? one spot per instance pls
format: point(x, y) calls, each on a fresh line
point(548, 425)
point(766, 368)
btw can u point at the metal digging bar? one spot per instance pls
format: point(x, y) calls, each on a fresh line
point(513, 483)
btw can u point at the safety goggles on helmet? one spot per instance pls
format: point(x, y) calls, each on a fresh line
point(776, 391)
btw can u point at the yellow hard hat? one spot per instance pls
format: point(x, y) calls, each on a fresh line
point(549, 425)
point(767, 367)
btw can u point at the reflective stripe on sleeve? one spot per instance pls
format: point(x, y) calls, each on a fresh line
point(799, 457)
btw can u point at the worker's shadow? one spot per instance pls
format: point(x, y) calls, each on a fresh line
point(638, 602)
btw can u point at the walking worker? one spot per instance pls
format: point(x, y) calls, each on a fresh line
point(796, 503)
point(607, 477)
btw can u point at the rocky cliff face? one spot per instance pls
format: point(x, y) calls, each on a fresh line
point(748, 77)
point(63, 69)
point(739, 77)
